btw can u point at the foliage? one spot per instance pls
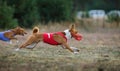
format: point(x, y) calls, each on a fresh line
point(28, 12)
point(114, 16)
point(55, 10)
point(106, 5)
point(6, 16)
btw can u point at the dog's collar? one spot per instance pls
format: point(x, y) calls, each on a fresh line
point(68, 34)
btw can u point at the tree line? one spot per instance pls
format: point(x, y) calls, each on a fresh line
point(27, 13)
point(106, 5)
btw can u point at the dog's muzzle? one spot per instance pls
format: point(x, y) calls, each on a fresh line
point(78, 37)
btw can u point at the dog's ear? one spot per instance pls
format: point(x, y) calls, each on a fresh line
point(72, 26)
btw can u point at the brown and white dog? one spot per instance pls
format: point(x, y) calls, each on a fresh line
point(57, 38)
point(9, 35)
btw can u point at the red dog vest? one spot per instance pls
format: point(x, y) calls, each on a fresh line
point(48, 38)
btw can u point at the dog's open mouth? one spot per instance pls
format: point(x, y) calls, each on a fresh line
point(78, 37)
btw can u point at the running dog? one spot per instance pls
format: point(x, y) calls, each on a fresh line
point(9, 35)
point(57, 38)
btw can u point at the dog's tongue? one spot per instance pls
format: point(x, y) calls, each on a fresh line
point(78, 37)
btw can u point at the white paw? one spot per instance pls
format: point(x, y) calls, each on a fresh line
point(75, 49)
point(30, 47)
point(63, 47)
point(17, 49)
point(17, 41)
point(10, 42)
point(75, 52)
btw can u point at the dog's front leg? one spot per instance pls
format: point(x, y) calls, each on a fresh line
point(10, 42)
point(72, 49)
point(12, 38)
point(76, 50)
point(17, 41)
point(65, 45)
point(22, 46)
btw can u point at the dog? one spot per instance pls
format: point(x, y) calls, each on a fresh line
point(9, 35)
point(57, 38)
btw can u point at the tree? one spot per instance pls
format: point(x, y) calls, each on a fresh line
point(55, 10)
point(6, 16)
point(29, 12)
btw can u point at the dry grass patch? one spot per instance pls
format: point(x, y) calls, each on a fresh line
point(99, 51)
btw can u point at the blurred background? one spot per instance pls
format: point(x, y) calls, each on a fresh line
point(98, 21)
point(27, 13)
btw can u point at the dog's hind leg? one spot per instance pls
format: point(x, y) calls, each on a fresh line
point(32, 46)
point(9, 42)
point(24, 45)
point(63, 47)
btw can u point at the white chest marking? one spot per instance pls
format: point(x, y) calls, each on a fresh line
point(67, 34)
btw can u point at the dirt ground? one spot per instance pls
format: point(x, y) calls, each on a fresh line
point(99, 51)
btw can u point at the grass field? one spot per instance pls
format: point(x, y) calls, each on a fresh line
point(99, 51)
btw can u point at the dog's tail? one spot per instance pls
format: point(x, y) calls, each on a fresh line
point(35, 30)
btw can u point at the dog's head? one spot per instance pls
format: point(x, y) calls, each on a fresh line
point(72, 32)
point(20, 31)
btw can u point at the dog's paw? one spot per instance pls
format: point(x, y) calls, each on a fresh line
point(17, 49)
point(10, 42)
point(29, 47)
point(75, 49)
point(75, 52)
point(63, 47)
point(17, 41)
